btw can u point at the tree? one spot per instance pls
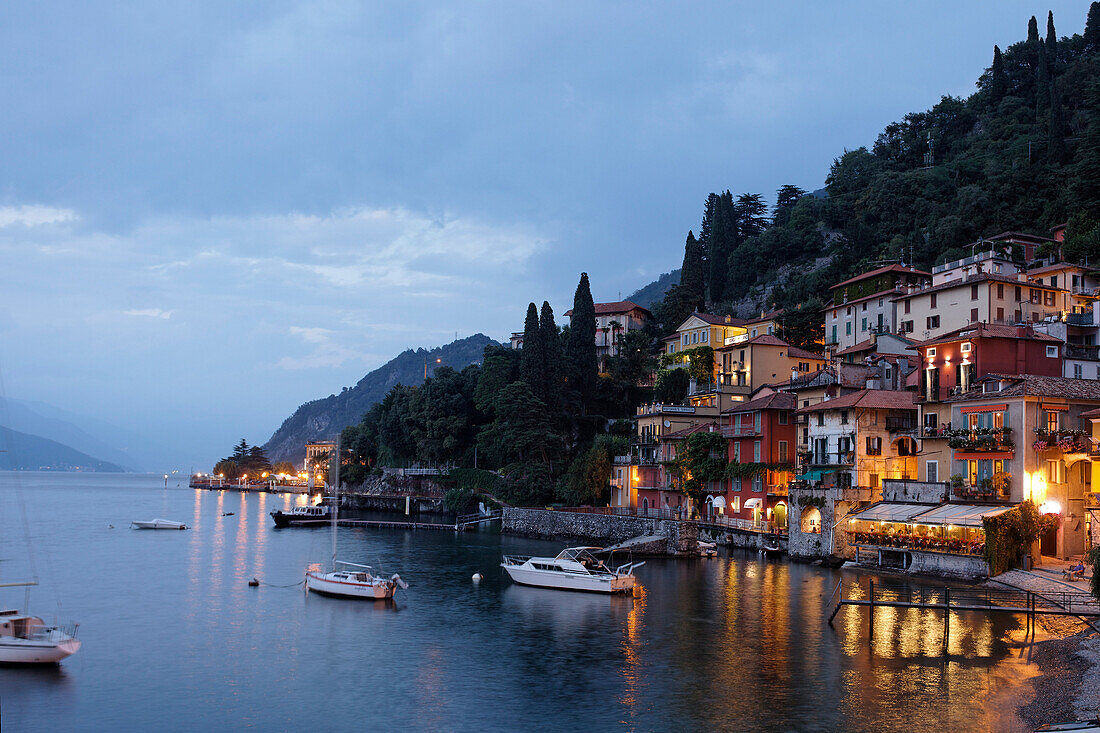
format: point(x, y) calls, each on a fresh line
point(1042, 83)
point(532, 360)
point(671, 386)
point(241, 451)
point(693, 274)
point(227, 468)
point(581, 348)
point(1052, 42)
point(785, 199)
point(550, 342)
point(521, 433)
point(1086, 182)
point(587, 480)
point(1056, 125)
point(1032, 32)
point(999, 85)
point(751, 215)
point(700, 460)
point(499, 368)
point(1092, 28)
point(284, 467)
point(721, 241)
point(701, 364)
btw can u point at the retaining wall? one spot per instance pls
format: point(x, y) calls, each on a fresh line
point(681, 538)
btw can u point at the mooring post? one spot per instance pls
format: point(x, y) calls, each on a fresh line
point(871, 630)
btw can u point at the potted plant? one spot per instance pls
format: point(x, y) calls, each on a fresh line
point(957, 483)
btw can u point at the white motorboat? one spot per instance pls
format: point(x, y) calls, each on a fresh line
point(349, 579)
point(28, 640)
point(158, 524)
point(575, 568)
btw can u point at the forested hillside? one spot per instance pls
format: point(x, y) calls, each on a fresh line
point(1021, 153)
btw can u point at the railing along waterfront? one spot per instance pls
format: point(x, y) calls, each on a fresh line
point(748, 525)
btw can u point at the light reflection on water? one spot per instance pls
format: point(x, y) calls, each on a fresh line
point(173, 632)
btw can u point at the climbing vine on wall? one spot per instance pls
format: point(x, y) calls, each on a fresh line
point(1009, 535)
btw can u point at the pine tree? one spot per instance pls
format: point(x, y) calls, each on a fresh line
point(550, 341)
point(532, 357)
point(693, 274)
point(581, 349)
point(785, 199)
point(751, 214)
point(1092, 28)
point(1052, 42)
point(999, 85)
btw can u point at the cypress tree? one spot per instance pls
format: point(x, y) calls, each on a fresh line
point(720, 243)
point(999, 84)
point(531, 358)
point(1092, 28)
point(1052, 42)
point(1042, 83)
point(1086, 180)
point(709, 212)
point(1056, 126)
point(550, 340)
point(1032, 32)
point(582, 342)
point(693, 274)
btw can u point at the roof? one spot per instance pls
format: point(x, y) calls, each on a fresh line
point(868, 399)
point(988, 330)
point(1055, 267)
point(773, 401)
point(797, 353)
point(966, 515)
point(853, 376)
point(716, 320)
point(769, 316)
point(765, 339)
point(691, 430)
point(872, 296)
point(1033, 385)
point(880, 271)
point(861, 346)
point(1091, 413)
point(619, 306)
point(1018, 235)
point(980, 277)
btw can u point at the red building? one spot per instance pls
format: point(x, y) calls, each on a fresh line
point(761, 436)
point(958, 359)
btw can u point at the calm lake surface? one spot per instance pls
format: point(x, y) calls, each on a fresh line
point(174, 639)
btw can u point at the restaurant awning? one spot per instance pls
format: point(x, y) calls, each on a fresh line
point(886, 511)
point(718, 502)
point(753, 503)
point(962, 515)
point(814, 474)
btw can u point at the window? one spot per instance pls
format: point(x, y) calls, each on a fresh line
point(974, 291)
point(932, 303)
point(931, 421)
point(1019, 296)
point(965, 348)
point(1034, 295)
point(737, 452)
point(874, 480)
point(1000, 314)
point(756, 421)
point(864, 307)
point(933, 322)
point(906, 304)
point(758, 483)
point(1052, 352)
point(1054, 280)
point(848, 311)
point(907, 326)
point(754, 334)
point(756, 451)
point(932, 471)
point(973, 315)
point(880, 302)
point(782, 451)
point(820, 419)
point(1000, 290)
point(695, 337)
point(1048, 298)
point(706, 335)
point(843, 417)
point(848, 328)
point(1056, 472)
point(1052, 420)
point(874, 446)
point(931, 352)
point(864, 326)
point(686, 342)
point(1077, 371)
point(737, 500)
point(782, 417)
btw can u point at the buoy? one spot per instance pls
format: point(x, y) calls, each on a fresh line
point(477, 577)
point(253, 583)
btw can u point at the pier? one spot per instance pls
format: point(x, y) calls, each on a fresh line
point(461, 523)
point(981, 600)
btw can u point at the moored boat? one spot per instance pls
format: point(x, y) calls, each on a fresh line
point(26, 639)
point(351, 580)
point(574, 568)
point(305, 516)
point(158, 524)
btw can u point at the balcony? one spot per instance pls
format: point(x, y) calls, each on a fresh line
point(1064, 440)
point(936, 431)
point(1080, 319)
point(1082, 351)
point(841, 458)
point(980, 440)
point(740, 431)
point(900, 424)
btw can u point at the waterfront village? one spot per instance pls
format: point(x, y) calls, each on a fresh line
point(938, 401)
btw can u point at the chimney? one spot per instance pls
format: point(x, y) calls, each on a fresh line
point(794, 373)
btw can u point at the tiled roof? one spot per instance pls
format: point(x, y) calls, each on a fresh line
point(1055, 268)
point(861, 346)
point(1091, 413)
point(1017, 235)
point(872, 296)
point(769, 316)
point(796, 353)
point(610, 309)
point(1033, 385)
point(879, 271)
point(773, 401)
point(691, 430)
point(980, 277)
point(853, 376)
point(765, 339)
point(871, 399)
point(987, 330)
point(718, 320)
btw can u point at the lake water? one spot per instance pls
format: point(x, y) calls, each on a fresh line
point(174, 639)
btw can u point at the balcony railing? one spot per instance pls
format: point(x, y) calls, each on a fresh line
point(740, 431)
point(1080, 319)
point(980, 439)
point(1083, 351)
point(1065, 440)
point(897, 424)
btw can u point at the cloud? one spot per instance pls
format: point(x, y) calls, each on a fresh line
point(34, 215)
point(149, 313)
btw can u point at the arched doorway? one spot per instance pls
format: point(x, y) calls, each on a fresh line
point(811, 520)
point(779, 513)
point(645, 505)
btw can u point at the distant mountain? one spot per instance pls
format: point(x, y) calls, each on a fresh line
point(647, 295)
point(26, 452)
point(323, 419)
point(88, 434)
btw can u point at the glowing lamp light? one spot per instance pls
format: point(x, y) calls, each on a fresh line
point(1050, 507)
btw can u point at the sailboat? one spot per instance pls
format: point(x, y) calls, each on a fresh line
point(349, 579)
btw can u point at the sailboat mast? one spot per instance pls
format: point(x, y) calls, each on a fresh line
point(335, 500)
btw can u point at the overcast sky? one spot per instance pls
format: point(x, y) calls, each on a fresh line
point(211, 212)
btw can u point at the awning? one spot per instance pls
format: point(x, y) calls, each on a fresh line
point(983, 408)
point(814, 474)
point(962, 515)
point(718, 502)
point(886, 511)
point(753, 503)
point(980, 455)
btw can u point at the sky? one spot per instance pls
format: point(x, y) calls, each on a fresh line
point(212, 212)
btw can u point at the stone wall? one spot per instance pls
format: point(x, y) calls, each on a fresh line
point(744, 539)
point(378, 503)
point(928, 563)
point(929, 492)
point(599, 529)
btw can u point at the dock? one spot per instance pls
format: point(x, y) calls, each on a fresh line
point(462, 522)
point(980, 600)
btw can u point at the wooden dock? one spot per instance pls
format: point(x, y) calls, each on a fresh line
point(462, 522)
point(982, 600)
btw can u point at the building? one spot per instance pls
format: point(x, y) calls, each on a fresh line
point(746, 365)
point(863, 305)
point(613, 321)
point(516, 340)
point(317, 448)
point(761, 435)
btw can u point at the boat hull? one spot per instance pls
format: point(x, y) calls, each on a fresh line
point(158, 524)
point(29, 651)
point(319, 583)
point(570, 581)
point(283, 520)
